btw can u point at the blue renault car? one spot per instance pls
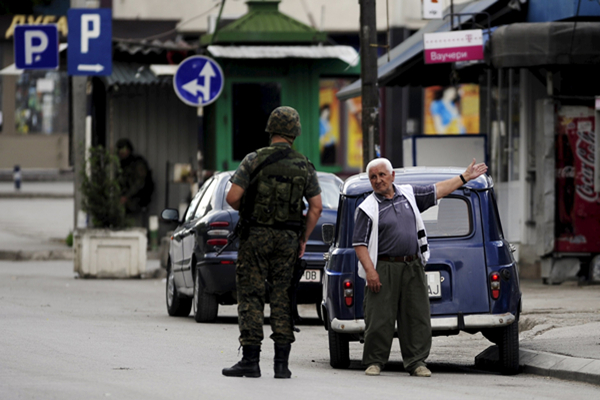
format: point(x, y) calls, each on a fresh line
point(472, 276)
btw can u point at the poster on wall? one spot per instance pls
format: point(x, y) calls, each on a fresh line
point(451, 110)
point(578, 204)
point(339, 124)
point(355, 134)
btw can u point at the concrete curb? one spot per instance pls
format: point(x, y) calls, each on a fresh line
point(57, 254)
point(39, 255)
point(25, 195)
point(559, 366)
point(546, 364)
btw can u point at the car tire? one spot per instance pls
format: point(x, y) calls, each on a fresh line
point(319, 313)
point(339, 350)
point(176, 306)
point(204, 304)
point(508, 349)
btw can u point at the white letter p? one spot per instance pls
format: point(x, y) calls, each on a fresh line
point(86, 32)
point(30, 49)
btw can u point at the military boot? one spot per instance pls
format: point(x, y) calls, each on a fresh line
point(248, 366)
point(282, 355)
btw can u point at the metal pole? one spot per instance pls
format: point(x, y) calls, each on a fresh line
point(79, 111)
point(451, 15)
point(370, 93)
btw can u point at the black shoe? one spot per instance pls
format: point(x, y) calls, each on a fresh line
point(282, 355)
point(248, 366)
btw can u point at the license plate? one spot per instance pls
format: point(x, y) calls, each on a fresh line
point(433, 282)
point(311, 275)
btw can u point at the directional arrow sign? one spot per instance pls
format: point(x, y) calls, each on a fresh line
point(198, 81)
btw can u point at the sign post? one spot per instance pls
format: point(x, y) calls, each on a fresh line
point(90, 41)
point(36, 46)
point(198, 81)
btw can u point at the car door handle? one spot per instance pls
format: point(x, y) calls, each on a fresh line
point(188, 233)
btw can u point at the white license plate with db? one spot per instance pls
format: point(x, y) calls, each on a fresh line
point(311, 275)
point(434, 284)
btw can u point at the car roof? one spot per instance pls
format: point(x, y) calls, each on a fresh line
point(359, 184)
point(320, 175)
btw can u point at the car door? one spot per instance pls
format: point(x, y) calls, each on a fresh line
point(176, 249)
point(193, 229)
point(457, 274)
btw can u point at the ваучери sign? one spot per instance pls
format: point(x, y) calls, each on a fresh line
point(446, 47)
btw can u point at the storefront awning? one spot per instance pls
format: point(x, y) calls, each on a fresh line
point(409, 54)
point(546, 43)
point(344, 53)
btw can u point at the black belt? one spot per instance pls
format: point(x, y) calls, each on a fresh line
point(398, 258)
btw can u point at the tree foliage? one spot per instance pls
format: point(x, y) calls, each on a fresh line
point(101, 193)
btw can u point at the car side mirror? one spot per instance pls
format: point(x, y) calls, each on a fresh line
point(328, 230)
point(170, 215)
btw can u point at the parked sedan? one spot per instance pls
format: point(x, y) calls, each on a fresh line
point(199, 280)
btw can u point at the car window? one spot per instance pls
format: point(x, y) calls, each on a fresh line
point(205, 203)
point(450, 217)
point(189, 215)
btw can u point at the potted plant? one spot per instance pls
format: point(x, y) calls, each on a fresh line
point(108, 247)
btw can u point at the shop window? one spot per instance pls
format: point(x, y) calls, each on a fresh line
point(42, 103)
point(252, 105)
point(340, 126)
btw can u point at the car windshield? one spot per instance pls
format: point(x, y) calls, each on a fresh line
point(330, 193)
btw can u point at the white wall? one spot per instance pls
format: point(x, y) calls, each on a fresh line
point(328, 15)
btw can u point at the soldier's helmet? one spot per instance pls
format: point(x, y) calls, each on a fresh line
point(284, 121)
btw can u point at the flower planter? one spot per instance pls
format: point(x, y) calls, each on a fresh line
point(105, 253)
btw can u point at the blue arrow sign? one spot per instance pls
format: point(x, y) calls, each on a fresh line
point(198, 81)
point(36, 46)
point(90, 41)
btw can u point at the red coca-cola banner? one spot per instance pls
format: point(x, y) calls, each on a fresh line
point(578, 204)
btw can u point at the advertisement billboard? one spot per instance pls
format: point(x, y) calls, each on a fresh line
point(451, 110)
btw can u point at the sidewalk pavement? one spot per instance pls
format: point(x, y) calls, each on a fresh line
point(559, 326)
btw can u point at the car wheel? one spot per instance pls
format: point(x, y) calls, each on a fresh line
point(339, 350)
point(205, 304)
point(319, 313)
point(176, 306)
point(508, 349)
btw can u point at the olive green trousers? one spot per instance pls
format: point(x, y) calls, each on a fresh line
point(403, 298)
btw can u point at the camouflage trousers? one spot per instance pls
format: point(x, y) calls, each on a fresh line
point(267, 255)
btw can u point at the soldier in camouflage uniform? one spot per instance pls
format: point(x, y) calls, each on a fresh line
point(270, 202)
point(135, 181)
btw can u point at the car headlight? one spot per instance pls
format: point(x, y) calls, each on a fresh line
point(595, 269)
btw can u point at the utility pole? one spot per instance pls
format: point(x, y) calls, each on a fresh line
point(368, 72)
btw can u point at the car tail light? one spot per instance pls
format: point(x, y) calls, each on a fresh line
point(216, 242)
point(495, 285)
point(348, 292)
point(215, 228)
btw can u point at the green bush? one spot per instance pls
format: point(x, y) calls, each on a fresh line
point(100, 190)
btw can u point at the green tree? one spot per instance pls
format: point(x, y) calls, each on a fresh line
point(101, 193)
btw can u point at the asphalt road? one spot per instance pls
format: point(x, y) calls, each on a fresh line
point(66, 338)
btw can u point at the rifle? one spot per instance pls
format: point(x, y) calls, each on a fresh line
point(299, 268)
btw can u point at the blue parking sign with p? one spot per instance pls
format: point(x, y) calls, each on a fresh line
point(36, 46)
point(90, 41)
